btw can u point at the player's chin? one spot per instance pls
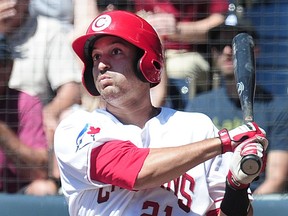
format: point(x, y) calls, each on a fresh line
point(109, 92)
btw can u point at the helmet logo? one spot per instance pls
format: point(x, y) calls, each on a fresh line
point(101, 23)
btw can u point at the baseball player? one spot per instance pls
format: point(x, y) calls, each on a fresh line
point(133, 159)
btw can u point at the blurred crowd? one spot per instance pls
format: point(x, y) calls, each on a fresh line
point(41, 78)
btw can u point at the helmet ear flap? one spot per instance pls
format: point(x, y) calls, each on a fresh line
point(138, 71)
point(87, 74)
point(88, 48)
point(140, 74)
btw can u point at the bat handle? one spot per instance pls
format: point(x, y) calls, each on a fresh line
point(251, 164)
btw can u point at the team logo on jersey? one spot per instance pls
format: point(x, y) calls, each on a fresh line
point(83, 140)
point(101, 23)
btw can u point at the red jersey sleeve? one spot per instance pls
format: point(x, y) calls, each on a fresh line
point(117, 162)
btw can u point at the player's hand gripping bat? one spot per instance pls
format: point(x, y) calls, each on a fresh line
point(244, 72)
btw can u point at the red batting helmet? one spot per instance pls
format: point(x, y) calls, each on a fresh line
point(129, 27)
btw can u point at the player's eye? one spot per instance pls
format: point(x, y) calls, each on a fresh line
point(96, 57)
point(116, 51)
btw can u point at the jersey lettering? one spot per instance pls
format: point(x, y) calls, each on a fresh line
point(186, 189)
point(184, 186)
point(103, 196)
point(175, 183)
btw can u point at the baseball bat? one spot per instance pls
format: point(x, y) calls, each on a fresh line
point(244, 72)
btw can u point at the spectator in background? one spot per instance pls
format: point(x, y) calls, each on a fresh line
point(70, 13)
point(45, 66)
point(23, 145)
point(183, 27)
point(62, 10)
point(223, 106)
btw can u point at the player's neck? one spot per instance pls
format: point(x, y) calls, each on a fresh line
point(137, 116)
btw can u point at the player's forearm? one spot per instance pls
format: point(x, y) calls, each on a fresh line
point(165, 164)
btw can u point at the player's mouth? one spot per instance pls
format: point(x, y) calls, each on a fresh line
point(103, 77)
point(105, 81)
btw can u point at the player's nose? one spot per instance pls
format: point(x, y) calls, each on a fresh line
point(103, 67)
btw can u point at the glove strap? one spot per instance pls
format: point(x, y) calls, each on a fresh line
point(233, 182)
point(225, 140)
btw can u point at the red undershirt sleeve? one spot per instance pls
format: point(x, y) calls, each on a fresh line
point(117, 162)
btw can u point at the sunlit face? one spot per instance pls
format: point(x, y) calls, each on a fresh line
point(113, 70)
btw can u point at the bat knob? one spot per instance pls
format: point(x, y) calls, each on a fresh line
point(251, 164)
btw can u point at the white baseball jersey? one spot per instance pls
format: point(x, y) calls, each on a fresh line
point(196, 192)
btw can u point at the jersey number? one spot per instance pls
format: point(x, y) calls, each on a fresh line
point(155, 209)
